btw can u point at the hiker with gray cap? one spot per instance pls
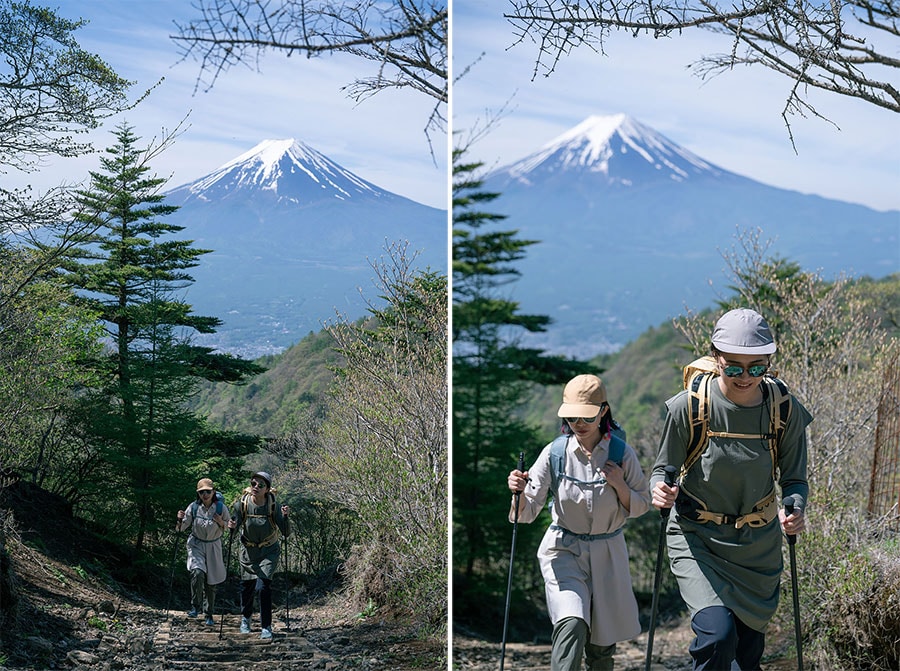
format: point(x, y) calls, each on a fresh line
point(261, 523)
point(736, 435)
point(596, 482)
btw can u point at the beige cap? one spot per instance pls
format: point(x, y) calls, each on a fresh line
point(205, 483)
point(582, 397)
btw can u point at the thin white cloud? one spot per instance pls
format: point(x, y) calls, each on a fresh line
point(381, 139)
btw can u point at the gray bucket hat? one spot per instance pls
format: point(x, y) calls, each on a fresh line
point(743, 331)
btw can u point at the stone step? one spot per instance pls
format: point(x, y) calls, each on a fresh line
point(186, 644)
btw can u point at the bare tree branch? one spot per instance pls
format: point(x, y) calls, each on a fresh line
point(845, 47)
point(406, 39)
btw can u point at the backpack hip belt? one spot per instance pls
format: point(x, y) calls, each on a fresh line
point(764, 511)
point(271, 539)
point(587, 537)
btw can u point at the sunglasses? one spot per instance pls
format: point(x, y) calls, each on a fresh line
point(753, 371)
point(258, 485)
point(205, 492)
point(586, 420)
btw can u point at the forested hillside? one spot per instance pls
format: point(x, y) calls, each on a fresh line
point(294, 384)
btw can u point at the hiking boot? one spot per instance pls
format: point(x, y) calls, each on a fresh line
point(266, 633)
point(209, 621)
point(245, 625)
point(192, 612)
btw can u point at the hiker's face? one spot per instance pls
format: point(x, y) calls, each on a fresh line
point(258, 486)
point(586, 427)
point(742, 388)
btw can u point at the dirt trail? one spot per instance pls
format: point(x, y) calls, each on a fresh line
point(61, 609)
point(670, 653)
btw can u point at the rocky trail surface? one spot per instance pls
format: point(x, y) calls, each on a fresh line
point(61, 609)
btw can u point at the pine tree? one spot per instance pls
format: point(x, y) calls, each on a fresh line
point(128, 270)
point(491, 373)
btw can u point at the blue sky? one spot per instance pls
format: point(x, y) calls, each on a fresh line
point(733, 120)
point(381, 139)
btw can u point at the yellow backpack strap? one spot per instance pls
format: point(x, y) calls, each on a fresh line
point(698, 375)
point(781, 407)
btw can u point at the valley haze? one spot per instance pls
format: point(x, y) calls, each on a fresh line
point(293, 235)
point(632, 229)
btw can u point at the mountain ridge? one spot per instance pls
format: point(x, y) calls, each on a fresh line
point(640, 154)
point(649, 244)
point(276, 162)
point(294, 236)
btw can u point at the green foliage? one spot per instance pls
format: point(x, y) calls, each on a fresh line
point(293, 386)
point(50, 89)
point(329, 533)
point(849, 604)
point(491, 377)
point(381, 450)
point(97, 623)
point(126, 269)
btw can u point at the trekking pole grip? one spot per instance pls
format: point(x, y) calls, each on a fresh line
point(670, 482)
point(521, 468)
point(788, 511)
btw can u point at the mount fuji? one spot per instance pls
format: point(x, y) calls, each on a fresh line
point(291, 234)
point(632, 229)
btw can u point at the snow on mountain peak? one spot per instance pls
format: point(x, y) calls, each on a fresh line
point(619, 148)
point(289, 169)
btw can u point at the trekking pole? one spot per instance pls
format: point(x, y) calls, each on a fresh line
point(512, 554)
point(225, 582)
point(172, 576)
point(664, 518)
point(792, 541)
point(287, 575)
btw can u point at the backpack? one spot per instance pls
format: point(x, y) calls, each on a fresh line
point(558, 455)
point(220, 503)
point(698, 376)
point(270, 497)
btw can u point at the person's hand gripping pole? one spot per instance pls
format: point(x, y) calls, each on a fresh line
point(664, 511)
point(789, 506)
point(512, 554)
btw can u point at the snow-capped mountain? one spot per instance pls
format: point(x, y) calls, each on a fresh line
point(626, 216)
point(292, 234)
point(282, 170)
point(617, 150)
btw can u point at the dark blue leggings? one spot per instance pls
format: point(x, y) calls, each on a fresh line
point(724, 643)
point(248, 589)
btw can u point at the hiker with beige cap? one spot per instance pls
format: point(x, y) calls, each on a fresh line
point(596, 483)
point(207, 518)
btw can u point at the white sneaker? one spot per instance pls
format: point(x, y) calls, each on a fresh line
point(245, 625)
point(266, 633)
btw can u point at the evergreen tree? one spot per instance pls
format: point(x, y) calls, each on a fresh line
point(491, 372)
point(127, 270)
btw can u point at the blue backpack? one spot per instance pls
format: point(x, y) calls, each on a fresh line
point(558, 456)
point(220, 503)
